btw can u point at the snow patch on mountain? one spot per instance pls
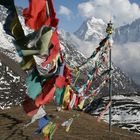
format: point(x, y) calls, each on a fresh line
point(125, 112)
point(5, 40)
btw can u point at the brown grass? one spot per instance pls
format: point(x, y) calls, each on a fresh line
point(85, 127)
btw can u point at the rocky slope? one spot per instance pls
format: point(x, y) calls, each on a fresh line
point(12, 87)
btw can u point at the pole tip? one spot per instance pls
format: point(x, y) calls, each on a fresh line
point(109, 29)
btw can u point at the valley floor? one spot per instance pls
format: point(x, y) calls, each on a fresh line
point(84, 127)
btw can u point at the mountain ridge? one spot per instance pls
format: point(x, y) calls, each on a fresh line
point(93, 29)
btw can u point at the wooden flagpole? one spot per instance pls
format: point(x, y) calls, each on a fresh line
point(109, 31)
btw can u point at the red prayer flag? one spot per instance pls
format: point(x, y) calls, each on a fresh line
point(60, 82)
point(47, 93)
point(46, 138)
point(35, 15)
point(29, 106)
point(67, 75)
point(41, 100)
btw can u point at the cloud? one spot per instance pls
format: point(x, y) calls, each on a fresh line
point(121, 11)
point(65, 11)
point(85, 47)
point(127, 57)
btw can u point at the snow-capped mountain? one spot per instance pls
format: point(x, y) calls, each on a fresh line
point(91, 30)
point(128, 33)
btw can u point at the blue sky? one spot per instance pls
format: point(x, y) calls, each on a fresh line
point(72, 13)
point(64, 22)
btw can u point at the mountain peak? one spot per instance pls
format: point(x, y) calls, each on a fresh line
point(91, 30)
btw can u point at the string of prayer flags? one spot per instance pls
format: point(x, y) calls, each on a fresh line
point(67, 124)
point(40, 113)
point(42, 123)
point(103, 112)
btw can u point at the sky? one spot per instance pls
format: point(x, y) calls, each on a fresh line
point(73, 12)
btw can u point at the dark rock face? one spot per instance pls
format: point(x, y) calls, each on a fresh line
point(12, 87)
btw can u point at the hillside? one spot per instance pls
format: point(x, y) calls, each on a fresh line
point(85, 127)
